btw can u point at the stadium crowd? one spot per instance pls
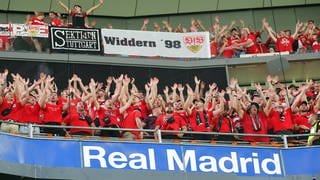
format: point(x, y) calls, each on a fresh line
point(227, 41)
point(270, 109)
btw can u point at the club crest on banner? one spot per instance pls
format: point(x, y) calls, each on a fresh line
point(194, 43)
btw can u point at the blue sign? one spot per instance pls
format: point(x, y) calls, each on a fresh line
point(302, 161)
point(51, 153)
point(187, 158)
point(242, 161)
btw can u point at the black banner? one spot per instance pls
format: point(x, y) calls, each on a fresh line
point(75, 40)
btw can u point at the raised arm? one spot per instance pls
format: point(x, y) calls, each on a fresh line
point(299, 26)
point(270, 31)
point(95, 7)
point(66, 8)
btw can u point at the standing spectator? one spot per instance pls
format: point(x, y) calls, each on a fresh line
point(39, 43)
point(224, 124)
point(247, 41)
point(172, 122)
point(262, 47)
point(78, 16)
point(284, 41)
point(55, 19)
point(255, 121)
point(52, 111)
point(80, 118)
point(4, 43)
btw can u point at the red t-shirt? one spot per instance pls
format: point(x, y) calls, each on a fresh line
point(249, 128)
point(284, 44)
point(280, 125)
point(75, 120)
point(228, 53)
point(36, 21)
point(30, 113)
point(252, 49)
point(304, 41)
point(262, 48)
point(300, 119)
point(174, 126)
point(112, 114)
point(184, 115)
point(202, 126)
point(56, 22)
point(213, 49)
point(316, 47)
point(52, 113)
point(3, 41)
point(130, 121)
point(226, 124)
point(15, 107)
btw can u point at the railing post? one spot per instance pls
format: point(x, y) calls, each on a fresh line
point(30, 127)
point(159, 136)
point(285, 141)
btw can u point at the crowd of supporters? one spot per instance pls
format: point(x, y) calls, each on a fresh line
point(198, 107)
point(227, 41)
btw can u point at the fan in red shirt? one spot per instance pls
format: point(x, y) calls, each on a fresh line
point(172, 122)
point(284, 41)
point(133, 119)
point(255, 121)
point(226, 50)
point(52, 111)
point(81, 119)
point(38, 19)
point(281, 119)
point(30, 114)
point(54, 19)
point(4, 43)
point(223, 123)
point(110, 117)
point(262, 47)
point(247, 41)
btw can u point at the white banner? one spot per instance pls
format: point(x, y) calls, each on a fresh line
point(148, 43)
point(4, 30)
point(24, 30)
point(30, 30)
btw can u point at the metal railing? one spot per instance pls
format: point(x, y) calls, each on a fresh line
point(284, 141)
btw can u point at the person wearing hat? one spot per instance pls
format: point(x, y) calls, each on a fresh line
point(255, 121)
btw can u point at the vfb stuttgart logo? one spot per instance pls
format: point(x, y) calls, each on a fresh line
point(194, 43)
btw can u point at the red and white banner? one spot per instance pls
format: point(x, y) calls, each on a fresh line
point(24, 30)
point(5, 30)
point(148, 43)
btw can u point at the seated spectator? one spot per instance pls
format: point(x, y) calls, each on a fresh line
point(78, 17)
